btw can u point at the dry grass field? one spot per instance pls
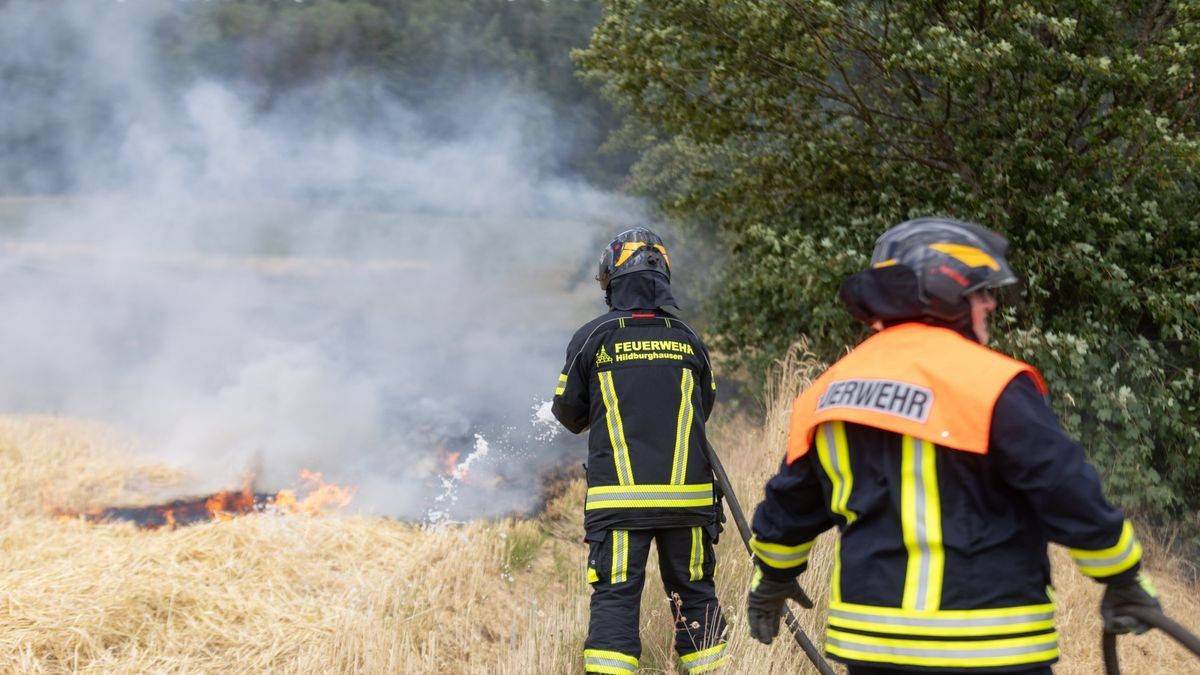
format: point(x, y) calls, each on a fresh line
point(336, 593)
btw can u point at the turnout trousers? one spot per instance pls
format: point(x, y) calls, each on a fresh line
point(617, 572)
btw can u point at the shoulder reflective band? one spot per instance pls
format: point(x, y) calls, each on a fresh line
point(1115, 559)
point(944, 654)
point(562, 384)
point(648, 496)
point(705, 660)
point(780, 556)
point(943, 623)
point(612, 663)
point(616, 429)
point(683, 428)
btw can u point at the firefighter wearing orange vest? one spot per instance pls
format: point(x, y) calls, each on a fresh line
point(946, 473)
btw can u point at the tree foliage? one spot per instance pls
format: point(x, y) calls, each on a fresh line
point(798, 130)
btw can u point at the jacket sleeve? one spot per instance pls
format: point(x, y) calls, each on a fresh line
point(571, 404)
point(708, 385)
point(1038, 460)
point(793, 512)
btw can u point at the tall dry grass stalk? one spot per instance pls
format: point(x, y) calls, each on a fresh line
point(346, 594)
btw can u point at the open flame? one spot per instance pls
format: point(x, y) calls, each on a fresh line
point(312, 496)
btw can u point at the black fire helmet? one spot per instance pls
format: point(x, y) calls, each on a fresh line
point(926, 267)
point(634, 250)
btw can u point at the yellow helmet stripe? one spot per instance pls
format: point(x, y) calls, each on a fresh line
point(968, 255)
point(627, 250)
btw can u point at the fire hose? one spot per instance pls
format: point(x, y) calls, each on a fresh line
point(810, 650)
point(1154, 619)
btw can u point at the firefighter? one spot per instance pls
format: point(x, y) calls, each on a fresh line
point(639, 380)
point(946, 473)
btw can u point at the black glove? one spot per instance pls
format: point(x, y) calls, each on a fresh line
point(1135, 593)
point(765, 604)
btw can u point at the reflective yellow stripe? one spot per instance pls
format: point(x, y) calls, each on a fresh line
point(592, 576)
point(616, 430)
point(834, 454)
point(620, 557)
point(943, 623)
point(944, 653)
point(780, 556)
point(612, 663)
point(921, 521)
point(696, 564)
point(683, 428)
point(1115, 559)
point(562, 384)
point(648, 496)
point(706, 659)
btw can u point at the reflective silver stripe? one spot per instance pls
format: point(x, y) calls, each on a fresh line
point(965, 653)
point(1108, 562)
point(786, 559)
point(838, 475)
point(919, 451)
point(608, 663)
point(696, 569)
point(620, 555)
point(1105, 562)
point(683, 427)
point(649, 497)
point(698, 660)
point(938, 622)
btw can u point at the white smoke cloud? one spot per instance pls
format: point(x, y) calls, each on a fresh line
point(248, 291)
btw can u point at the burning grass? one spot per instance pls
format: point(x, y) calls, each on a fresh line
point(337, 593)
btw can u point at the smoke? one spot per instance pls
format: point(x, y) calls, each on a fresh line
point(265, 288)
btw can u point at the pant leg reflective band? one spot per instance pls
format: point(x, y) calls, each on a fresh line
point(603, 661)
point(620, 557)
point(616, 430)
point(943, 623)
point(780, 556)
point(706, 659)
point(1112, 560)
point(562, 384)
point(649, 496)
point(943, 653)
point(696, 560)
point(683, 428)
point(921, 522)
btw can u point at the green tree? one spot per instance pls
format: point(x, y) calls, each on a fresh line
point(796, 131)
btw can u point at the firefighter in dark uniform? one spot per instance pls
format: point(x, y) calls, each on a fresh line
point(946, 473)
point(640, 381)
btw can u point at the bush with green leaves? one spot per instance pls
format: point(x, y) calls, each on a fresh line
point(796, 131)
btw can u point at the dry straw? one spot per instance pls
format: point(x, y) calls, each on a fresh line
point(338, 593)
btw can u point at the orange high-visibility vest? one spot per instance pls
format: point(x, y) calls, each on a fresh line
point(922, 381)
